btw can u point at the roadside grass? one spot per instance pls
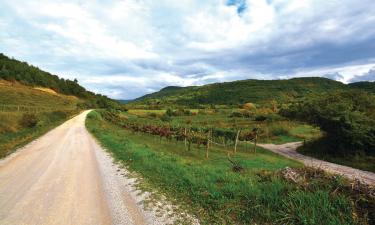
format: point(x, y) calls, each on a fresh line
point(214, 193)
point(318, 149)
point(13, 135)
point(47, 109)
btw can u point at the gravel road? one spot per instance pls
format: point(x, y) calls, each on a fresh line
point(289, 150)
point(65, 177)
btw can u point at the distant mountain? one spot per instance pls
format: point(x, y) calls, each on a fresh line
point(124, 101)
point(239, 92)
point(13, 70)
point(364, 85)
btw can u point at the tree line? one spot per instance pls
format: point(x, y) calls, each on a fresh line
point(347, 118)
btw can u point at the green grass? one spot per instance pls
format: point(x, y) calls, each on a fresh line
point(210, 190)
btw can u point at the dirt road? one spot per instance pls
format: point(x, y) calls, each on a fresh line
point(289, 150)
point(66, 178)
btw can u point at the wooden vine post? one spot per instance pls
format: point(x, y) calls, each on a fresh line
point(255, 130)
point(185, 137)
point(208, 142)
point(236, 142)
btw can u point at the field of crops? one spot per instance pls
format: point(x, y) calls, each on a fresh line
point(273, 128)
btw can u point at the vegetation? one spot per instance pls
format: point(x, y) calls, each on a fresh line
point(19, 128)
point(218, 192)
point(237, 93)
point(364, 85)
point(27, 113)
point(224, 127)
point(15, 71)
point(348, 119)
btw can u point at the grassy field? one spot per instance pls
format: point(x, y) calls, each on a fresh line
point(213, 192)
point(26, 113)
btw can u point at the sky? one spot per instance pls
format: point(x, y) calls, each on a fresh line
point(127, 48)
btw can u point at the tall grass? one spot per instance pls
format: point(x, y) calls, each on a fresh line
point(15, 132)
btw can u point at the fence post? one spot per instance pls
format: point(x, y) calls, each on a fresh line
point(235, 144)
point(255, 142)
point(185, 137)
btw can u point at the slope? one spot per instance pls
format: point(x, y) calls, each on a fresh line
point(27, 112)
point(239, 92)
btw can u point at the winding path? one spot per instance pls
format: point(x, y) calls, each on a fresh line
point(289, 150)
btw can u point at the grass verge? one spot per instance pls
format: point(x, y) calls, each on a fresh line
point(210, 190)
point(13, 135)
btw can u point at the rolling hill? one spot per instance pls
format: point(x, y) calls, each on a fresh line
point(239, 92)
point(364, 85)
point(13, 70)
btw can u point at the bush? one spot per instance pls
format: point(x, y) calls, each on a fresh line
point(348, 118)
point(236, 114)
point(260, 118)
point(28, 120)
point(279, 130)
point(152, 115)
point(169, 112)
point(165, 118)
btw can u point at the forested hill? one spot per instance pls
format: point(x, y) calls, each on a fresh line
point(14, 70)
point(239, 92)
point(364, 85)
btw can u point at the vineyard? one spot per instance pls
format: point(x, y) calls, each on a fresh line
point(200, 136)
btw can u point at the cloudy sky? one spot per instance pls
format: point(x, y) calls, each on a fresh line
point(126, 48)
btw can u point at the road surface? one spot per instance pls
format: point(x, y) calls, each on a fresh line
point(66, 178)
point(289, 150)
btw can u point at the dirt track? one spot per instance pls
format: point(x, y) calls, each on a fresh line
point(66, 178)
point(289, 150)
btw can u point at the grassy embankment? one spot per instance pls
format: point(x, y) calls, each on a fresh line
point(210, 190)
point(27, 113)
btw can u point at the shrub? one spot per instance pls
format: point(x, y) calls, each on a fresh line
point(249, 106)
point(260, 118)
point(236, 114)
point(152, 115)
point(279, 130)
point(28, 120)
point(165, 118)
point(169, 112)
point(346, 117)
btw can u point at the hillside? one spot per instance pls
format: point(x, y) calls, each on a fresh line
point(28, 112)
point(13, 70)
point(364, 85)
point(239, 92)
point(14, 94)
